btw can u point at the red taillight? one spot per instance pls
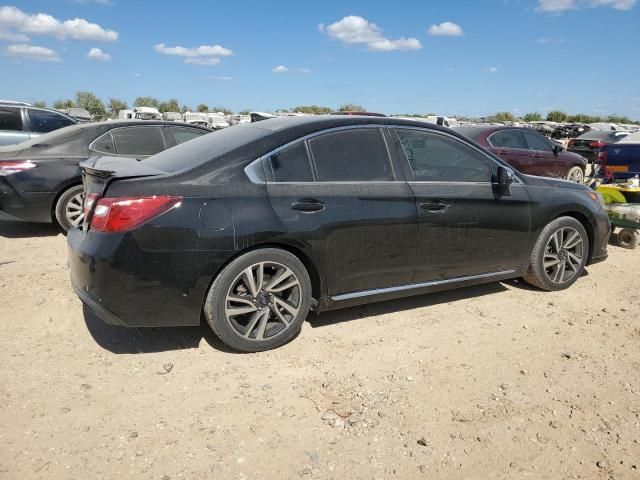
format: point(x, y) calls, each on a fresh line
point(597, 144)
point(119, 214)
point(9, 167)
point(571, 143)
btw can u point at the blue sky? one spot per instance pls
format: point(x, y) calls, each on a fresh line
point(516, 55)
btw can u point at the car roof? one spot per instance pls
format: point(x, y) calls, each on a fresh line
point(127, 123)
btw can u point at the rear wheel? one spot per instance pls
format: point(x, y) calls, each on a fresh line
point(628, 238)
point(559, 255)
point(259, 301)
point(69, 209)
point(575, 174)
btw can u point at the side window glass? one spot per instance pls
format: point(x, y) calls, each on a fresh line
point(138, 141)
point(508, 139)
point(359, 155)
point(438, 158)
point(184, 134)
point(42, 121)
point(10, 119)
point(291, 164)
point(537, 142)
point(104, 144)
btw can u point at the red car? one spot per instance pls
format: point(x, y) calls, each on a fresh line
point(529, 151)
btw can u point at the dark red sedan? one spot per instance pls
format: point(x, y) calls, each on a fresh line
point(528, 151)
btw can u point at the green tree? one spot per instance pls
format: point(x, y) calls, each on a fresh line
point(40, 104)
point(351, 107)
point(169, 106)
point(146, 102)
point(244, 112)
point(63, 104)
point(115, 105)
point(91, 103)
point(185, 109)
point(224, 110)
point(556, 116)
point(503, 117)
point(202, 108)
point(314, 109)
point(618, 119)
point(532, 117)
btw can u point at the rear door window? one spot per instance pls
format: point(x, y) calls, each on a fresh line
point(138, 140)
point(440, 158)
point(43, 121)
point(11, 119)
point(184, 134)
point(535, 141)
point(357, 155)
point(291, 164)
point(104, 144)
point(508, 139)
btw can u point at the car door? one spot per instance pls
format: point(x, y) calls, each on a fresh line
point(465, 227)
point(11, 126)
point(340, 193)
point(511, 146)
point(546, 162)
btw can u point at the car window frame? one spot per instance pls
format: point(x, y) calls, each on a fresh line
point(28, 126)
point(172, 135)
point(266, 173)
point(123, 155)
point(524, 140)
point(492, 163)
point(95, 140)
point(540, 135)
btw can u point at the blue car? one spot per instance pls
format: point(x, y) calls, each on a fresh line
point(622, 159)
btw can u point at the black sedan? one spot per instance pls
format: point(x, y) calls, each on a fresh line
point(589, 144)
point(40, 180)
point(259, 223)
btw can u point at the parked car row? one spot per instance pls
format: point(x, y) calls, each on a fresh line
point(20, 122)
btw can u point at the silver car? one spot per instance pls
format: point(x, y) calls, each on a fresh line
point(20, 122)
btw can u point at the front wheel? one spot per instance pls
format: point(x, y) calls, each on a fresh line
point(259, 301)
point(69, 208)
point(559, 255)
point(575, 174)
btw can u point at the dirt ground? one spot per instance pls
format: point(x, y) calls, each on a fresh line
point(498, 381)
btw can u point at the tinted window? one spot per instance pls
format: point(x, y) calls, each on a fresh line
point(184, 134)
point(435, 157)
point(138, 140)
point(10, 119)
point(42, 121)
point(537, 142)
point(352, 155)
point(508, 139)
point(291, 164)
point(104, 144)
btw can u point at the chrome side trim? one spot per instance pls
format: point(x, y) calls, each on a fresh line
point(411, 286)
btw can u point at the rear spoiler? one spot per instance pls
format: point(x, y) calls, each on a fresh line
point(122, 167)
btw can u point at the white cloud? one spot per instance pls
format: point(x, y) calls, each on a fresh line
point(137, 75)
point(32, 52)
point(490, 70)
point(109, 3)
point(280, 69)
point(551, 41)
point(15, 21)
point(449, 29)
point(202, 55)
point(220, 77)
point(98, 54)
point(357, 30)
point(303, 70)
point(564, 5)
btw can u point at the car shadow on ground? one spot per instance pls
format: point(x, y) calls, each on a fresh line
point(121, 340)
point(25, 230)
point(393, 306)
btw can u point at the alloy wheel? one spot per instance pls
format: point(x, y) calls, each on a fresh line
point(73, 210)
point(576, 175)
point(563, 255)
point(263, 301)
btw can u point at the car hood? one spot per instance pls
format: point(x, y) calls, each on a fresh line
point(549, 182)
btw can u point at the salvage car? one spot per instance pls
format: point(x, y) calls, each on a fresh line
point(259, 223)
point(529, 152)
point(621, 160)
point(40, 180)
point(589, 144)
point(20, 122)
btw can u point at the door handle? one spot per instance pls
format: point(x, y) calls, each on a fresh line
point(308, 205)
point(433, 206)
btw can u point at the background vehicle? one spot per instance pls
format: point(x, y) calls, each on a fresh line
point(217, 121)
point(140, 113)
point(360, 114)
point(172, 116)
point(622, 159)
point(528, 151)
point(40, 180)
point(22, 122)
point(258, 223)
point(589, 144)
point(79, 114)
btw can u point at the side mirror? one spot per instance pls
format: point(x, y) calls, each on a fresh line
point(557, 149)
point(505, 178)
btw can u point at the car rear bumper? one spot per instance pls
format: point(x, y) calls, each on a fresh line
point(25, 206)
point(125, 285)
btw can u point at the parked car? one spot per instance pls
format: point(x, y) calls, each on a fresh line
point(21, 122)
point(528, 151)
point(172, 116)
point(588, 145)
point(40, 180)
point(621, 160)
point(81, 115)
point(258, 223)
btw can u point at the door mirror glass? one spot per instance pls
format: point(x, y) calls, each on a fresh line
point(505, 178)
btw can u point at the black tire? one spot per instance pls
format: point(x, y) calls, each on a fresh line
point(215, 305)
point(539, 276)
point(628, 238)
point(66, 200)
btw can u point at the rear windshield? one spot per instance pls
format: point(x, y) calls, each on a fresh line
point(199, 151)
point(597, 135)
